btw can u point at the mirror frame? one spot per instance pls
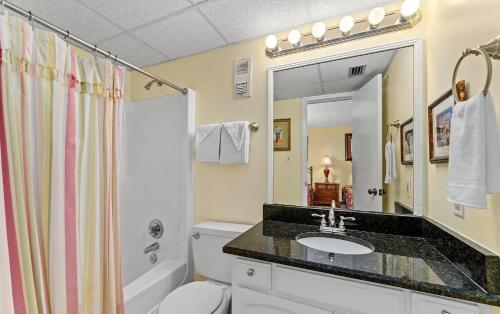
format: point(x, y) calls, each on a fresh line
point(419, 116)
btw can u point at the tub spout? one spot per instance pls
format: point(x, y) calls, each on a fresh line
point(153, 247)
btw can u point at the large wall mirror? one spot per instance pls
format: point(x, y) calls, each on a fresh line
point(345, 131)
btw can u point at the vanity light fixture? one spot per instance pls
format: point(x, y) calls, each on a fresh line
point(271, 42)
point(376, 17)
point(318, 31)
point(294, 37)
point(346, 25)
point(378, 22)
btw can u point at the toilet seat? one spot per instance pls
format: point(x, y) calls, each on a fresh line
point(199, 297)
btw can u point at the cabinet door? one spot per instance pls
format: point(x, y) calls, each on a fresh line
point(250, 302)
point(424, 304)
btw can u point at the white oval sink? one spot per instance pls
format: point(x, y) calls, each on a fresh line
point(335, 243)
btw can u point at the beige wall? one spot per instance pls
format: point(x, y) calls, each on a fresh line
point(236, 193)
point(452, 26)
point(329, 141)
point(287, 164)
point(398, 105)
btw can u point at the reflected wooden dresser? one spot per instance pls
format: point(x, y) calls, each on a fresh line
point(324, 193)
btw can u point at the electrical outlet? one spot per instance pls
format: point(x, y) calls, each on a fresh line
point(459, 210)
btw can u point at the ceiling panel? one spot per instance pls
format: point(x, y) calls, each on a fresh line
point(73, 16)
point(338, 70)
point(298, 92)
point(261, 17)
point(133, 13)
point(296, 77)
point(129, 48)
point(182, 35)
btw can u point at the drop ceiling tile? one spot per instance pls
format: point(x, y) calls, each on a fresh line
point(73, 16)
point(184, 34)
point(298, 92)
point(260, 17)
point(133, 13)
point(296, 77)
point(132, 50)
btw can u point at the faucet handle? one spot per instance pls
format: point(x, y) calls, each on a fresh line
point(323, 221)
point(342, 219)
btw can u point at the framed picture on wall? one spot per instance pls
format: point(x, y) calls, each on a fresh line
point(281, 135)
point(348, 147)
point(406, 142)
point(439, 113)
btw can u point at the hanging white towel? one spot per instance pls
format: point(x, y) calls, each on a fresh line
point(208, 143)
point(235, 142)
point(474, 162)
point(390, 162)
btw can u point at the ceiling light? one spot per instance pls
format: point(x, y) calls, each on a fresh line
point(271, 42)
point(409, 9)
point(294, 37)
point(376, 17)
point(346, 24)
point(319, 30)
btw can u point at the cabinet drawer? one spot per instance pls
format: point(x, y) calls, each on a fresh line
point(252, 274)
point(343, 295)
point(425, 304)
point(250, 302)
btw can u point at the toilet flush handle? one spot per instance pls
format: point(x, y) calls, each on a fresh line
point(250, 272)
point(196, 235)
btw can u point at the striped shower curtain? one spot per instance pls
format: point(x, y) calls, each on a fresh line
point(60, 125)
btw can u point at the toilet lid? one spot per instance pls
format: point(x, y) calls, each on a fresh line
point(194, 298)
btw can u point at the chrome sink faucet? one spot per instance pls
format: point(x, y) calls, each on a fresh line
point(325, 228)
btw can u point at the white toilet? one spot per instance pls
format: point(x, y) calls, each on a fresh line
point(212, 296)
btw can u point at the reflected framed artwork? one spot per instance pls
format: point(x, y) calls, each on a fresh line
point(281, 135)
point(348, 147)
point(406, 142)
point(440, 112)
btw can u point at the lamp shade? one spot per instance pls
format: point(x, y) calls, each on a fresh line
point(326, 161)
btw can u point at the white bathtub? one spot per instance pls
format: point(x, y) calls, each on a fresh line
point(143, 294)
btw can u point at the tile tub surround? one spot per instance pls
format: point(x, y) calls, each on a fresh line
point(411, 262)
point(478, 263)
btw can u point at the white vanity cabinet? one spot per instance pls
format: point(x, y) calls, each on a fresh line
point(268, 288)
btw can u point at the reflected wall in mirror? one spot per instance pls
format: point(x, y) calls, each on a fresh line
point(346, 118)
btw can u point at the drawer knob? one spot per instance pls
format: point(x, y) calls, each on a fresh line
point(251, 271)
point(445, 312)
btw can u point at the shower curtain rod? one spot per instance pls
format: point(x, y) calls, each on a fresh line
point(68, 36)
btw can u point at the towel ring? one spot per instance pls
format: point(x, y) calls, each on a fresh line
point(467, 52)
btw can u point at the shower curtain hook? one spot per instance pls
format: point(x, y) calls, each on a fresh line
point(30, 20)
point(116, 58)
point(94, 51)
point(67, 37)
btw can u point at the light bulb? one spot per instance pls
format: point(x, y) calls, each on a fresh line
point(376, 17)
point(409, 9)
point(319, 30)
point(271, 42)
point(346, 24)
point(294, 37)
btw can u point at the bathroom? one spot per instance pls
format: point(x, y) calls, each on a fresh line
point(230, 237)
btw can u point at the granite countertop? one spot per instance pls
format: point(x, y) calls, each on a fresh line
point(398, 260)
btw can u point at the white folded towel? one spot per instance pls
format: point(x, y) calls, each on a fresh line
point(208, 143)
point(474, 162)
point(390, 162)
point(235, 142)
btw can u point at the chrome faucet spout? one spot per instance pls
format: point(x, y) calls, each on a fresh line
point(153, 247)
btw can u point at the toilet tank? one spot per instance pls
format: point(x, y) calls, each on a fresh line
point(208, 239)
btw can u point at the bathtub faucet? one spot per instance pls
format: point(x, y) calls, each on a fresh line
point(153, 247)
